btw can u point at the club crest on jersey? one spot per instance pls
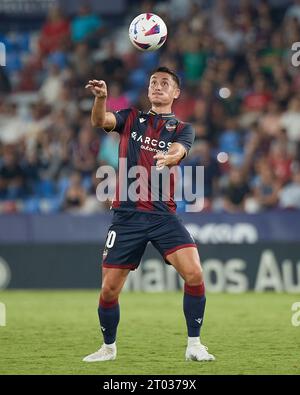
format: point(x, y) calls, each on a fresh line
point(171, 125)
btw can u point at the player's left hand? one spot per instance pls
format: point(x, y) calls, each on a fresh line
point(162, 160)
point(172, 157)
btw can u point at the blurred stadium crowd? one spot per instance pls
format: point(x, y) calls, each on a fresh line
point(240, 91)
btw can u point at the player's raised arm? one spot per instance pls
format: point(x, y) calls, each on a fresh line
point(100, 117)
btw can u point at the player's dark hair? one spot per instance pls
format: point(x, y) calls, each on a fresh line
point(163, 69)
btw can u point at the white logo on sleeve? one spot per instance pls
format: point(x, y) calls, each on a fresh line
point(199, 320)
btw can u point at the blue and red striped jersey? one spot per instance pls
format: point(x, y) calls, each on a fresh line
point(142, 135)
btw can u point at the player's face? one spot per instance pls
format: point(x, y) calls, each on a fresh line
point(162, 89)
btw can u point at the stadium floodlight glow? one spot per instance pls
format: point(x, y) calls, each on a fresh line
point(222, 157)
point(2, 55)
point(224, 92)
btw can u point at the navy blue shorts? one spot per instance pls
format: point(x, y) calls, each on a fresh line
point(130, 232)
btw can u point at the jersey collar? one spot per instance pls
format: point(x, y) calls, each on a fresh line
point(165, 116)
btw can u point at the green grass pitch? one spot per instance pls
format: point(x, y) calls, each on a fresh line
point(48, 332)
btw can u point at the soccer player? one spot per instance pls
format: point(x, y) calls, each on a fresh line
point(155, 139)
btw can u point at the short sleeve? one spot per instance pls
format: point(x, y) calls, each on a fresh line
point(121, 118)
point(185, 136)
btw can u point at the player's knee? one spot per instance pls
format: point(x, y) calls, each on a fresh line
point(109, 292)
point(194, 276)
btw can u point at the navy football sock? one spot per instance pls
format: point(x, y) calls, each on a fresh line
point(109, 317)
point(193, 306)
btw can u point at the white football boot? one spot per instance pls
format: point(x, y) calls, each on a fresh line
point(198, 352)
point(107, 352)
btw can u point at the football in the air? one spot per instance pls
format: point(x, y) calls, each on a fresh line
point(148, 32)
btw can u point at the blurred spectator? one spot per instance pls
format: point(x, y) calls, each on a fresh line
point(220, 12)
point(237, 191)
point(289, 196)
point(258, 99)
point(51, 88)
point(86, 26)
point(113, 65)
point(12, 178)
point(231, 36)
point(290, 120)
point(201, 155)
point(12, 127)
point(80, 60)
point(49, 154)
point(194, 59)
point(85, 151)
point(230, 139)
point(28, 76)
point(266, 186)
point(270, 121)
point(66, 107)
point(31, 166)
point(5, 86)
point(184, 106)
point(54, 32)
point(293, 11)
point(272, 53)
point(179, 8)
point(92, 203)
point(280, 161)
point(116, 99)
point(75, 196)
point(109, 151)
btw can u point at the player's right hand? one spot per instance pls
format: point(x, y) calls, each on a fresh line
point(98, 88)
